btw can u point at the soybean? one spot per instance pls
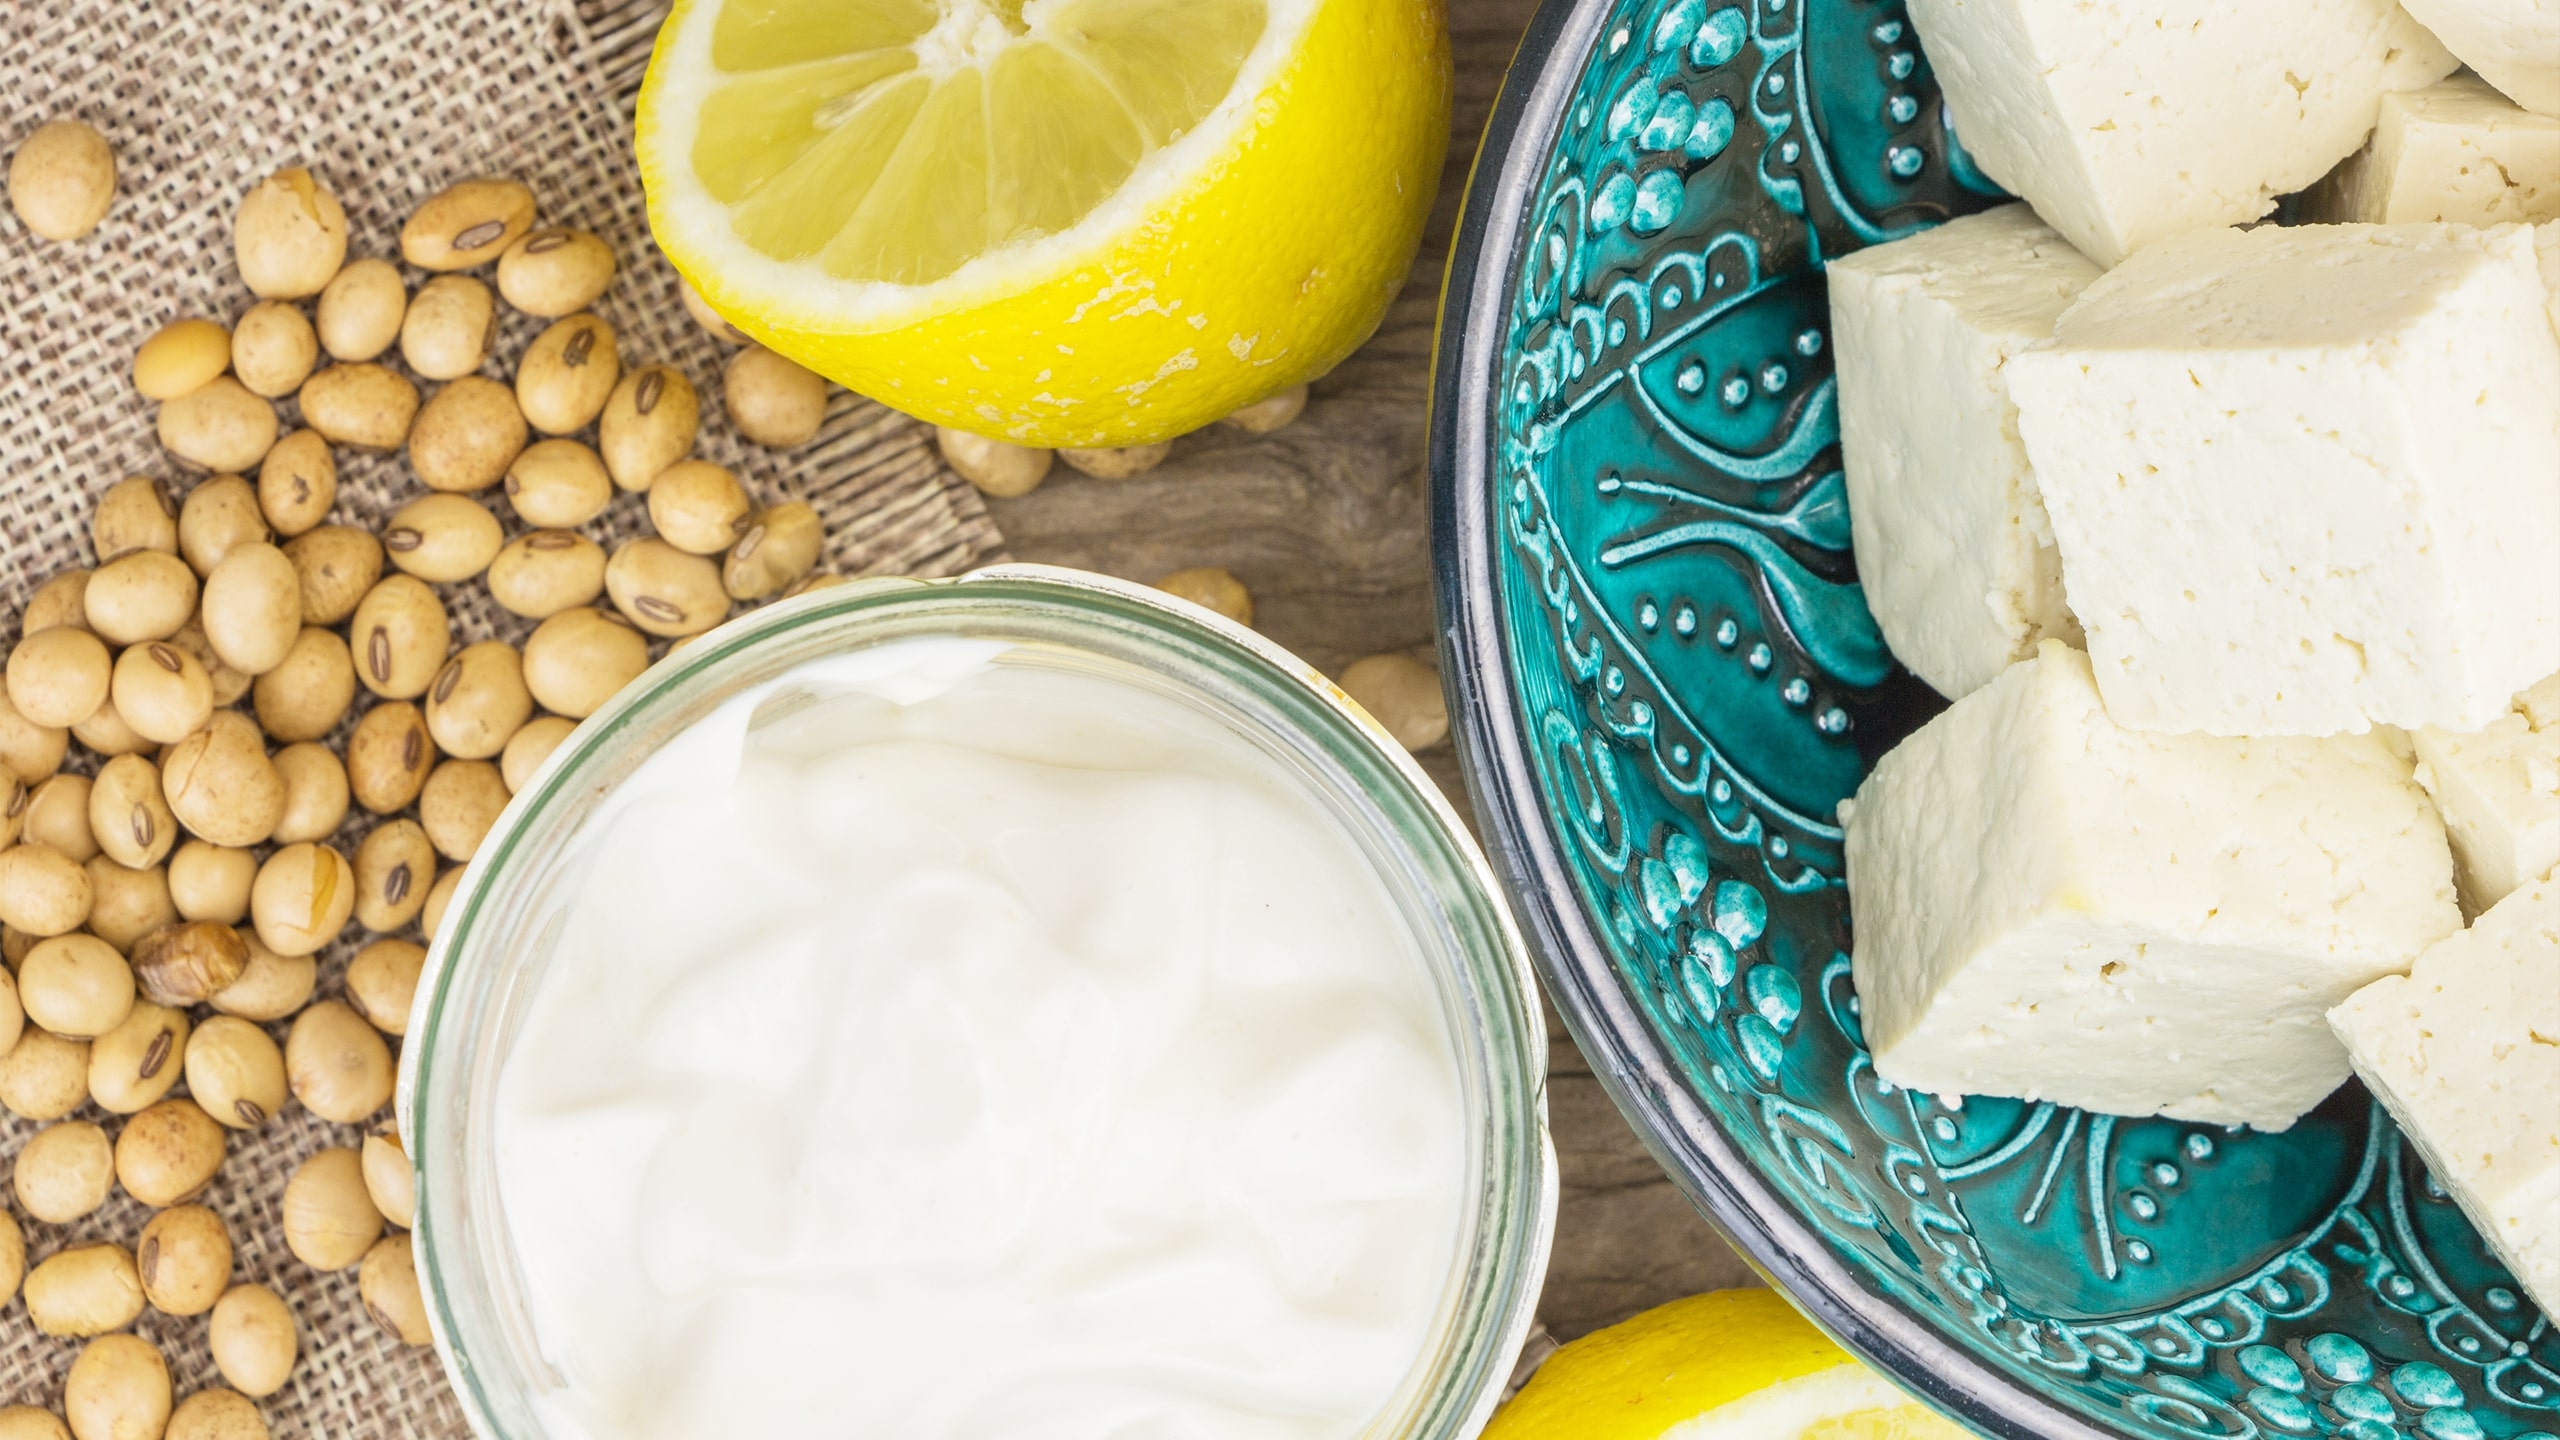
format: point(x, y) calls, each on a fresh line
point(461, 801)
point(13, 1023)
point(85, 1290)
point(395, 865)
point(329, 1218)
point(135, 513)
point(528, 748)
point(1211, 588)
point(477, 701)
point(578, 659)
point(105, 733)
point(559, 484)
point(337, 565)
point(568, 374)
point(543, 572)
point(302, 898)
point(297, 483)
point(698, 507)
point(712, 322)
point(1121, 462)
point(389, 1179)
point(360, 403)
point(13, 1252)
point(389, 1284)
point(58, 815)
point(62, 179)
point(29, 751)
point(220, 783)
point(273, 348)
point(361, 310)
point(59, 677)
point(64, 1172)
point(44, 1076)
point(289, 237)
point(431, 918)
point(252, 608)
point(211, 882)
point(216, 1414)
point(252, 1339)
point(449, 327)
point(235, 1072)
point(663, 590)
point(382, 980)
point(1003, 470)
point(340, 1068)
point(315, 793)
point(400, 637)
point(468, 224)
point(648, 424)
point(169, 1153)
point(129, 813)
point(63, 599)
point(140, 595)
point(162, 691)
point(220, 425)
point(43, 892)
point(466, 436)
point(127, 902)
point(554, 271)
point(217, 516)
point(1266, 415)
point(184, 1263)
point(272, 986)
point(388, 757)
point(188, 963)
point(181, 357)
point(305, 696)
point(443, 538)
point(118, 1389)
point(778, 547)
point(29, 1422)
point(773, 400)
point(133, 1066)
point(76, 986)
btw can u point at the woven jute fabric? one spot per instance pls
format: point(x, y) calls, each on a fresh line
point(387, 103)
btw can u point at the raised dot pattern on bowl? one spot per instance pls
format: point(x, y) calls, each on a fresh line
point(1694, 683)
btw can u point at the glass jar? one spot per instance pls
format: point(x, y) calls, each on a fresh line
point(497, 933)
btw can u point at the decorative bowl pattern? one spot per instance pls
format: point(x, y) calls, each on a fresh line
point(1667, 679)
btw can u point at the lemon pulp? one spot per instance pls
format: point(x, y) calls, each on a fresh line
point(895, 140)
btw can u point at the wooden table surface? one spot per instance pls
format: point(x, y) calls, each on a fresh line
point(1326, 523)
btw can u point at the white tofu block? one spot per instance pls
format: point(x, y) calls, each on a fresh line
point(2307, 479)
point(2053, 907)
point(2123, 121)
point(1953, 547)
point(2514, 44)
point(2464, 1051)
point(2456, 151)
point(2499, 789)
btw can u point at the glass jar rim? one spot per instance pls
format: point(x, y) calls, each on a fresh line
point(1489, 995)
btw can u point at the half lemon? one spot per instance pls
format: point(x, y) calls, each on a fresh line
point(1060, 222)
point(1730, 1365)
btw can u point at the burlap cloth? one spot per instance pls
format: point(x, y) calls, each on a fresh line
point(387, 101)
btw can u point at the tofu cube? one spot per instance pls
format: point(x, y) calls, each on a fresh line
point(2307, 479)
point(1953, 546)
point(2456, 151)
point(2499, 789)
point(2514, 44)
point(2053, 907)
point(2123, 121)
point(2464, 1051)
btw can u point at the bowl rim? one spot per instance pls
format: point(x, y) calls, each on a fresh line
point(1631, 1062)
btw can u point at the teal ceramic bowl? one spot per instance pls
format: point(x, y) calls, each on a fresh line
point(1666, 678)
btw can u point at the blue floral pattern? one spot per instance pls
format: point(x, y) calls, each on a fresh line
point(1704, 684)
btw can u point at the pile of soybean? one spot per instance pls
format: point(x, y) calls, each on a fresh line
point(177, 758)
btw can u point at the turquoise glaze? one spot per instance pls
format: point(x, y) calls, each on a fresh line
point(1667, 679)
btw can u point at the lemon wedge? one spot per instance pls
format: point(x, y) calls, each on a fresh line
point(1060, 222)
point(1731, 1365)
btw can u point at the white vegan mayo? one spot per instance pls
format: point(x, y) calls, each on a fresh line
point(971, 1049)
